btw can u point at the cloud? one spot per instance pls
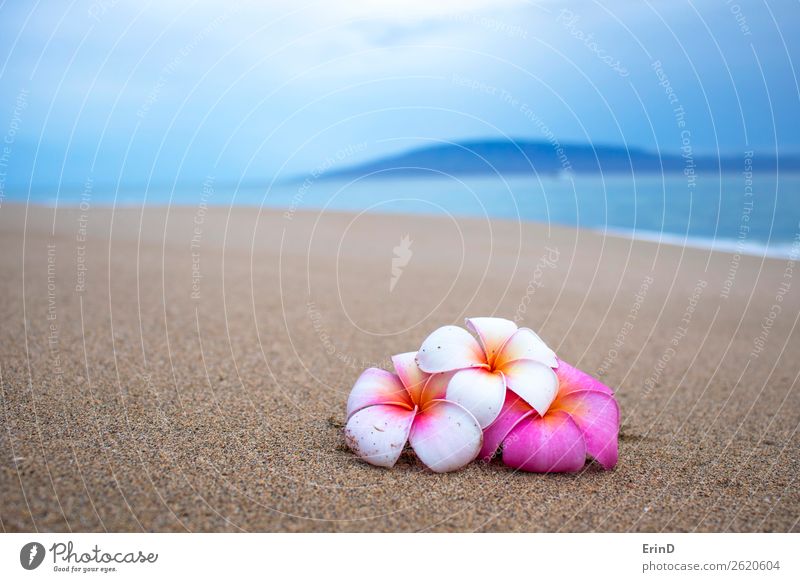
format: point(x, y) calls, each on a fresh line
point(255, 80)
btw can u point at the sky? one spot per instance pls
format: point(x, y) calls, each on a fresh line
point(162, 93)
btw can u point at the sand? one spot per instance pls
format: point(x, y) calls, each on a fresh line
point(187, 369)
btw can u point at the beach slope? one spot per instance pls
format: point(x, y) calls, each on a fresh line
point(187, 369)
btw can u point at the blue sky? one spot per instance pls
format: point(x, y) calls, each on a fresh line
point(132, 93)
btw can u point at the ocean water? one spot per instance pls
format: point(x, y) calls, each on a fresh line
point(758, 214)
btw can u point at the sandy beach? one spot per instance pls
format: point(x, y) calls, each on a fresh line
point(187, 369)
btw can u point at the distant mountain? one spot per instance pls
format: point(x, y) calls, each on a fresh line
point(527, 157)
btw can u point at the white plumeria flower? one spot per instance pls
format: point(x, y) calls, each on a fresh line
point(479, 373)
point(385, 410)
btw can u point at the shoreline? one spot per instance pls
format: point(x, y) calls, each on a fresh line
point(787, 250)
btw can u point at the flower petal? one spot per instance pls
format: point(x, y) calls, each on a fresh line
point(445, 436)
point(436, 387)
point(526, 345)
point(378, 433)
point(571, 379)
point(514, 410)
point(376, 386)
point(480, 391)
point(597, 416)
point(545, 444)
point(534, 382)
point(410, 375)
point(492, 332)
point(450, 348)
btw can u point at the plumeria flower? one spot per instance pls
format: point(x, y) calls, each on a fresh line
point(582, 421)
point(385, 410)
point(507, 357)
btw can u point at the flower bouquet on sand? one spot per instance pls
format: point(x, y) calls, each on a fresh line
point(502, 391)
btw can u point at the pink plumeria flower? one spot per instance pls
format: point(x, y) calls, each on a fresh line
point(507, 357)
point(385, 410)
point(582, 421)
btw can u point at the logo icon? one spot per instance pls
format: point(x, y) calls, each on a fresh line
point(402, 255)
point(31, 555)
